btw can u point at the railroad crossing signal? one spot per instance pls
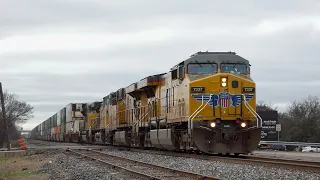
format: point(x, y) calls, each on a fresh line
point(278, 127)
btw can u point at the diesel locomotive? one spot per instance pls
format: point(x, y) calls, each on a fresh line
point(206, 103)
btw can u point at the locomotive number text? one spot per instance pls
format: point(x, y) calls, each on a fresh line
point(248, 89)
point(197, 89)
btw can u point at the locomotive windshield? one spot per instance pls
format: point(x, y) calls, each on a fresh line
point(235, 68)
point(202, 68)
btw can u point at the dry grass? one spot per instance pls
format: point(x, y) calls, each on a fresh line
point(22, 168)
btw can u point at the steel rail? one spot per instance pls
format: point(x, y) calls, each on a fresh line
point(144, 164)
point(266, 161)
point(135, 173)
point(290, 163)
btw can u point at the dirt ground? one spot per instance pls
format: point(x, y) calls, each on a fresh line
point(22, 168)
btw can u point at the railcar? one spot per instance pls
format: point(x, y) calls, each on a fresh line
point(65, 125)
point(205, 103)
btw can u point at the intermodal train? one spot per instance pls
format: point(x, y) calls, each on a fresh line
point(206, 103)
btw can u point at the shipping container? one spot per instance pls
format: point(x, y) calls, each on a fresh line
point(54, 120)
point(50, 123)
point(68, 113)
point(59, 118)
point(69, 127)
point(57, 130)
point(81, 125)
point(62, 129)
point(63, 115)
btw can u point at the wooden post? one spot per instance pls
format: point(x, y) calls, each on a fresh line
point(5, 124)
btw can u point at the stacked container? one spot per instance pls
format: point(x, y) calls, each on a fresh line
point(63, 121)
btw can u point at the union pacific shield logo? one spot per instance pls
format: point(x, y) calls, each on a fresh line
point(222, 99)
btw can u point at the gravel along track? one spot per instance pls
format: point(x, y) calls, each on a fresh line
point(290, 163)
point(39, 144)
point(311, 166)
point(217, 168)
point(141, 169)
point(63, 166)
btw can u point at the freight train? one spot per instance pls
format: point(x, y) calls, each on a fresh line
point(206, 103)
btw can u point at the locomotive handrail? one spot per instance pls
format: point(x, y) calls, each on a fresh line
point(143, 116)
point(196, 112)
point(189, 119)
point(252, 110)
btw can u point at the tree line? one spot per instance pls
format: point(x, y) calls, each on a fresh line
point(17, 112)
point(300, 122)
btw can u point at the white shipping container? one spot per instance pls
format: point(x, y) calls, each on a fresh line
point(58, 118)
point(76, 126)
point(69, 127)
point(69, 113)
point(73, 127)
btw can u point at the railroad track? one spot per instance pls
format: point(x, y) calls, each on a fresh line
point(313, 166)
point(265, 161)
point(139, 168)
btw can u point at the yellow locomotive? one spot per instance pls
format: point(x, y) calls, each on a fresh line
point(206, 103)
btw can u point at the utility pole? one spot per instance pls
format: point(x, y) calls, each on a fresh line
point(5, 124)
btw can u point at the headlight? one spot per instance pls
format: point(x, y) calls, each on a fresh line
point(224, 84)
point(224, 79)
point(213, 124)
point(243, 124)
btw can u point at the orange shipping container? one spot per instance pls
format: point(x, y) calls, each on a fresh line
point(57, 130)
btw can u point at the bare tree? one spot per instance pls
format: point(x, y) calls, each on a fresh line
point(262, 106)
point(305, 120)
point(17, 112)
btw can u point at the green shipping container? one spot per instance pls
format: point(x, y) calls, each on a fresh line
point(62, 128)
point(63, 116)
point(54, 123)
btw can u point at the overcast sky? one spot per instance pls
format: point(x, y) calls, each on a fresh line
point(61, 51)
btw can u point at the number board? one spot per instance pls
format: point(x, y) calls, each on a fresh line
point(248, 89)
point(197, 89)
